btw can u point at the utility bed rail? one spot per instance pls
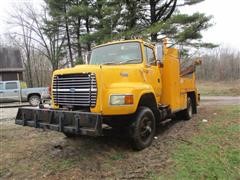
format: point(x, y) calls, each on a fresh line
point(75, 122)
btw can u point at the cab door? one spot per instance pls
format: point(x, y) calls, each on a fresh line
point(1, 92)
point(12, 91)
point(152, 71)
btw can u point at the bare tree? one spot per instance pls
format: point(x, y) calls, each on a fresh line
point(221, 64)
point(24, 43)
point(40, 67)
point(47, 38)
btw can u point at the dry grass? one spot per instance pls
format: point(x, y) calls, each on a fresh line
point(231, 88)
point(28, 153)
point(215, 152)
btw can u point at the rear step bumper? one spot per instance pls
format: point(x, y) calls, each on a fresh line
point(75, 122)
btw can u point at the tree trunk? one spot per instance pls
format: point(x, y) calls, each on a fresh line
point(68, 39)
point(88, 32)
point(30, 81)
point(132, 10)
point(79, 47)
point(153, 19)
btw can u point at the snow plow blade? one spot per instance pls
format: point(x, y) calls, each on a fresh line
point(75, 122)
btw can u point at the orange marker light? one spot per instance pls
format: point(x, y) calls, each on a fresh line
point(49, 90)
point(128, 99)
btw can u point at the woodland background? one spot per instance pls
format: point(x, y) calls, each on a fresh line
point(60, 34)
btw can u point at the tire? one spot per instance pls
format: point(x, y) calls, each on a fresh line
point(118, 123)
point(34, 100)
point(70, 135)
point(187, 113)
point(143, 128)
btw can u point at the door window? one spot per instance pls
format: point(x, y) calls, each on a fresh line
point(11, 85)
point(150, 56)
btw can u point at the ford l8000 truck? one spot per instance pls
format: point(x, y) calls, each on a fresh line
point(130, 84)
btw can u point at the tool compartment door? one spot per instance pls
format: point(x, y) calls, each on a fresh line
point(171, 81)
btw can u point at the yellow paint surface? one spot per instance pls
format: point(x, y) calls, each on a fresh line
point(164, 83)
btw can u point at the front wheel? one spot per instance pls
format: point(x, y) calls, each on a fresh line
point(69, 135)
point(34, 100)
point(143, 128)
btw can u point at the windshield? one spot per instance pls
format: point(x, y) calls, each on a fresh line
point(121, 53)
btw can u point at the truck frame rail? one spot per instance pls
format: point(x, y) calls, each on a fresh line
point(74, 122)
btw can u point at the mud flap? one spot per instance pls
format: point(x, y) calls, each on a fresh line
point(75, 122)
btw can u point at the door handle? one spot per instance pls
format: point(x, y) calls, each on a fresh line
point(145, 70)
point(1, 92)
point(15, 91)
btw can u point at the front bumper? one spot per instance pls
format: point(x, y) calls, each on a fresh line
point(75, 122)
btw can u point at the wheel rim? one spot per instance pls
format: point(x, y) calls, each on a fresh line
point(146, 128)
point(189, 108)
point(35, 101)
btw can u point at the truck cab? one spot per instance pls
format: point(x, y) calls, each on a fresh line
point(129, 84)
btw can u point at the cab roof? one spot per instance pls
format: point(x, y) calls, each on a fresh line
point(125, 41)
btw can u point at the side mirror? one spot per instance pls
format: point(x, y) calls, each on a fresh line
point(159, 64)
point(159, 51)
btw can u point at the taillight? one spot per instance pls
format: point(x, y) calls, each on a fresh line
point(49, 90)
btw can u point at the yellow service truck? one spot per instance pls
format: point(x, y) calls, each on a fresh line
point(128, 84)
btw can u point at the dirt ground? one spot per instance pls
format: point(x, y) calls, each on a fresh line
point(28, 153)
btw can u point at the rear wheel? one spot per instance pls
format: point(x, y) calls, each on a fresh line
point(34, 100)
point(143, 128)
point(186, 114)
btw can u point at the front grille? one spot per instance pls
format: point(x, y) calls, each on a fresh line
point(75, 90)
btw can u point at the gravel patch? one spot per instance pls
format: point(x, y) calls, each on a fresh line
point(8, 113)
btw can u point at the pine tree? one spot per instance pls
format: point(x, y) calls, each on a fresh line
point(91, 22)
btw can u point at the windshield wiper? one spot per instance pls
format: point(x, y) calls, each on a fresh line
point(121, 62)
point(109, 63)
point(128, 61)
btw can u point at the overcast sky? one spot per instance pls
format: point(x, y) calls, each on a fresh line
point(226, 13)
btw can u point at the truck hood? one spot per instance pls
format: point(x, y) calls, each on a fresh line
point(78, 69)
point(108, 75)
point(110, 79)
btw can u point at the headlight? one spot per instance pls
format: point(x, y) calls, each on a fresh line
point(121, 99)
